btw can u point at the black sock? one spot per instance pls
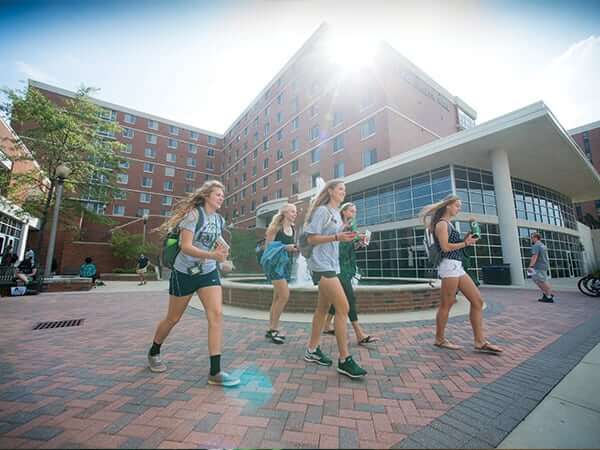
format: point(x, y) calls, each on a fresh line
point(215, 364)
point(155, 349)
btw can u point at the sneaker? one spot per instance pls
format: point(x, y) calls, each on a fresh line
point(275, 337)
point(156, 364)
point(350, 368)
point(317, 357)
point(545, 299)
point(223, 379)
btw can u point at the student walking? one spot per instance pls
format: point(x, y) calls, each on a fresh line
point(195, 271)
point(142, 267)
point(279, 250)
point(437, 218)
point(538, 268)
point(347, 273)
point(324, 231)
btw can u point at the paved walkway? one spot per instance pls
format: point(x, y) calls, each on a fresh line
point(88, 386)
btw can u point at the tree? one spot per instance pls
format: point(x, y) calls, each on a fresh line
point(75, 132)
point(129, 246)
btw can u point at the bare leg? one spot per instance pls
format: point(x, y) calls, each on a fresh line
point(212, 300)
point(281, 295)
point(545, 287)
point(449, 288)
point(328, 323)
point(177, 306)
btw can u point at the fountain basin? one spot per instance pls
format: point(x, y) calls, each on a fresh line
point(392, 295)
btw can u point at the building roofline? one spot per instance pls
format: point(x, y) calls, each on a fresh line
point(586, 127)
point(71, 94)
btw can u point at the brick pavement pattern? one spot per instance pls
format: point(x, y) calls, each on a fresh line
point(89, 386)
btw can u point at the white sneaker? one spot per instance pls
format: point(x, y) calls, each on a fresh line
point(223, 379)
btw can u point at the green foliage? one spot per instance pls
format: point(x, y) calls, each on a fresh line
point(243, 244)
point(128, 246)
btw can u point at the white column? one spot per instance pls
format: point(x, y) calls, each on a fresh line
point(507, 218)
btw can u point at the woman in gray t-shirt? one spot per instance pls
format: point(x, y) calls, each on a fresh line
point(195, 271)
point(324, 229)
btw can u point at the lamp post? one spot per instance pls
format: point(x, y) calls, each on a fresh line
point(61, 173)
point(145, 217)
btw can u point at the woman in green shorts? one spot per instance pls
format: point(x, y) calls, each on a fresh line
point(195, 271)
point(347, 273)
point(324, 229)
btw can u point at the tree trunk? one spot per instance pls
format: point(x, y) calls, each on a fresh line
point(43, 222)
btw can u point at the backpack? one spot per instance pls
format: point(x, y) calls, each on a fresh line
point(303, 245)
point(171, 247)
point(432, 249)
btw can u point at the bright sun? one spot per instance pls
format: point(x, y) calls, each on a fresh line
point(352, 51)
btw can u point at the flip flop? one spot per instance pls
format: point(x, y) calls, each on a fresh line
point(488, 348)
point(368, 340)
point(447, 345)
point(331, 332)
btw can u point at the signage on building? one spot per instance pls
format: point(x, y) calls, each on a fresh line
point(424, 88)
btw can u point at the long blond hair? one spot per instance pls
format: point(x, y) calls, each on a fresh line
point(193, 200)
point(277, 220)
point(322, 198)
point(432, 214)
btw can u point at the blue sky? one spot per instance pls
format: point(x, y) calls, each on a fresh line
point(202, 62)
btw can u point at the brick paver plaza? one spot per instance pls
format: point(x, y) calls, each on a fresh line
point(89, 386)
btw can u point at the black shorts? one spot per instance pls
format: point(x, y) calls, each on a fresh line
point(316, 276)
point(182, 284)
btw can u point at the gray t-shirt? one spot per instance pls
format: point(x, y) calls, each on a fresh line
point(542, 263)
point(325, 257)
point(205, 239)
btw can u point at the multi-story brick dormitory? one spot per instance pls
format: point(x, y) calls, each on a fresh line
point(398, 138)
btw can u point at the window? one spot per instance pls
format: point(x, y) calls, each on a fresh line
point(193, 148)
point(194, 135)
point(151, 138)
point(267, 129)
point(246, 131)
point(243, 194)
point(338, 170)
point(128, 148)
point(280, 134)
point(128, 133)
point(152, 124)
point(280, 99)
point(166, 212)
point(189, 188)
point(189, 175)
point(123, 164)
point(255, 137)
point(265, 199)
point(254, 171)
point(314, 133)
point(244, 162)
point(191, 162)
point(295, 105)
point(369, 157)
point(255, 154)
point(146, 182)
point(145, 197)
point(129, 118)
point(314, 178)
point(266, 145)
point(242, 210)
point(295, 145)
point(367, 128)
point(172, 143)
point(279, 155)
point(210, 164)
point(108, 114)
point(265, 163)
point(173, 130)
point(141, 212)
point(315, 155)
point(254, 188)
point(279, 117)
point(278, 174)
point(171, 157)
point(150, 153)
point(295, 189)
point(295, 123)
point(167, 200)
point(295, 166)
point(244, 177)
point(210, 152)
point(279, 193)
point(338, 143)
point(122, 178)
point(120, 195)
point(168, 185)
point(314, 110)
point(148, 167)
point(118, 210)
point(252, 205)
point(265, 182)
point(337, 119)
point(212, 140)
point(169, 171)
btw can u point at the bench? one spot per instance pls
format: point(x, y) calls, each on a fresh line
point(8, 279)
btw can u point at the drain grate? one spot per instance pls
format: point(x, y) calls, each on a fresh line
point(58, 324)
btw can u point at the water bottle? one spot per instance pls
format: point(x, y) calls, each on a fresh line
point(475, 229)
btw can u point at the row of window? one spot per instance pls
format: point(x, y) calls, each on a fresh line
point(148, 182)
point(129, 133)
point(120, 210)
point(172, 158)
point(150, 168)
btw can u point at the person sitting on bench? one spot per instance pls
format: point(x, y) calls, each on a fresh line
point(26, 271)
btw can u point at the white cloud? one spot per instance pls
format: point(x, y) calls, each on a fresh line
point(35, 73)
point(569, 84)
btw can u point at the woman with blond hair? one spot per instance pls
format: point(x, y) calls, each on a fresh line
point(436, 219)
point(195, 271)
point(281, 230)
point(324, 231)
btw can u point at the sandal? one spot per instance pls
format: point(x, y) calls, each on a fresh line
point(274, 336)
point(330, 332)
point(368, 340)
point(488, 348)
point(447, 345)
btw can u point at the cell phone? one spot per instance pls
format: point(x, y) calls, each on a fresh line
point(223, 242)
point(367, 236)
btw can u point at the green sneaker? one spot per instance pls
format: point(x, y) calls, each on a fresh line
point(350, 368)
point(317, 357)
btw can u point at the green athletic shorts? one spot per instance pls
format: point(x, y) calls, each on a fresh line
point(182, 284)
